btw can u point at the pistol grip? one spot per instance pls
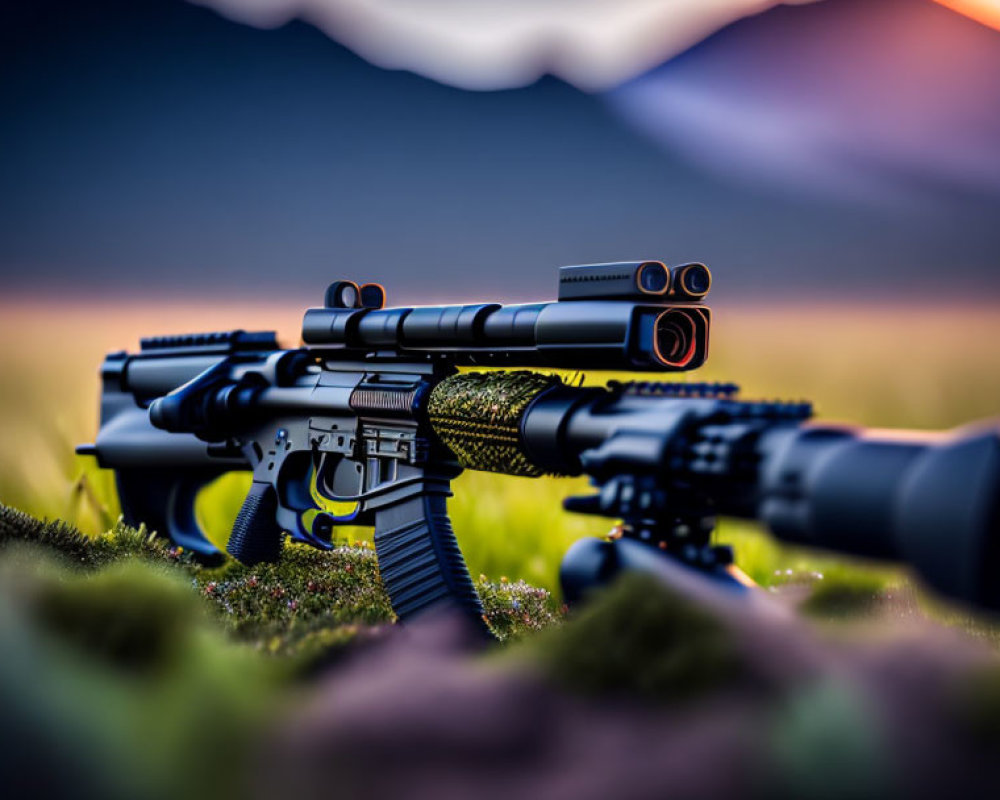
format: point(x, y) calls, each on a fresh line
point(256, 535)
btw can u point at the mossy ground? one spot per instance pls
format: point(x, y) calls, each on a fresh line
point(300, 607)
point(644, 641)
point(150, 675)
point(128, 644)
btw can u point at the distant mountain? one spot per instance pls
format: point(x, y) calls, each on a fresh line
point(885, 101)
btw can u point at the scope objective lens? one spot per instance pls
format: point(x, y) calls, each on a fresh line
point(692, 281)
point(653, 278)
point(676, 338)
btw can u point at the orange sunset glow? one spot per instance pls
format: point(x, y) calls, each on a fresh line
point(984, 11)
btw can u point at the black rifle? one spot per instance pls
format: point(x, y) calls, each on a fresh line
point(372, 412)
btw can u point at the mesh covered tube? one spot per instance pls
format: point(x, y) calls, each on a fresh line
point(478, 417)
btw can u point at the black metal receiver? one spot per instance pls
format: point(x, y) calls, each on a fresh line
point(609, 316)
point(369, 423)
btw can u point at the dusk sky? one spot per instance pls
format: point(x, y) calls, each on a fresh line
point(843, 148)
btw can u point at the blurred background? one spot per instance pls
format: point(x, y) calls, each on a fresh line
point(167, 166)
point(260, 148)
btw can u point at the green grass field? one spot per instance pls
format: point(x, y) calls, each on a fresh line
point(923, 367)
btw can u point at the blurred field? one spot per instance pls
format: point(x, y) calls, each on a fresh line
point(921, 367)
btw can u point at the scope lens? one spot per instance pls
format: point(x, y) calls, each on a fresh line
point(372, 295)
point(654, 278)
point(696, 280)
point(343, 294)
point(348, 296)
point(676, 338)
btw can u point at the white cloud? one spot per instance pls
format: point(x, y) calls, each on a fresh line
point(499, 44)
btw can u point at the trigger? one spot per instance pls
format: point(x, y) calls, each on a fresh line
point(342, 510)
point(322, 527)
point(323, 524)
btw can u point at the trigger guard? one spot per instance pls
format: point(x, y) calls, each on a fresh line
point(305, 537)
point(291, 521)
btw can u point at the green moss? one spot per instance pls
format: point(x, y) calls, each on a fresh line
point(16, 526)
point(514, 609)
point(123, 667)
point(846, 593)
point(299, 608)
point(120, 542)
point(130, 615)
point(290, 607)
point(278, 607)
point(638, 637)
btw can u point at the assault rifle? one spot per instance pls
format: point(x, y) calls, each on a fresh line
point(370, 420)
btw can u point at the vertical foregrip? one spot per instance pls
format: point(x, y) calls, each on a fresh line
point(420, 561)
point(256, 536)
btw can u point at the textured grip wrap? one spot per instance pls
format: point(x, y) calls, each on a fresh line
point(478, 417)
point(256, 536)
point(420, 562)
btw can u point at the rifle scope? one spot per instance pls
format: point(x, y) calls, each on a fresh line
point(608, 316)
